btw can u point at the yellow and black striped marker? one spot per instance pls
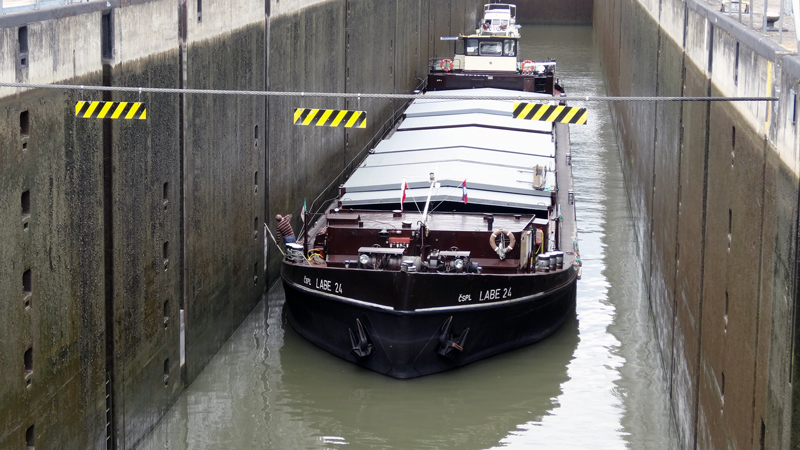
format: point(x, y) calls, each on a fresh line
point(110, 110)
point(330, 118)
point(550, 113)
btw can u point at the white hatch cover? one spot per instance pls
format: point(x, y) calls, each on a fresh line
point(475, 119)
point(473, 140)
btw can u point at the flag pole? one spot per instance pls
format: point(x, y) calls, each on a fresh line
point(403, 187)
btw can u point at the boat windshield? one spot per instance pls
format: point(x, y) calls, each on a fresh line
point(510, 47)
point(472, 47)
point(491, 48)
point(478, 47)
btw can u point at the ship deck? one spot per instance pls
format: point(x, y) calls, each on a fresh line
point(497, 163)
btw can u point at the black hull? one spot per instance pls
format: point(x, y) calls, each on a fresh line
point(412, 343)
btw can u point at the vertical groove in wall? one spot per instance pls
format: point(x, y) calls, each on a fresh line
point(703, 234)
point(619, 72)
point(651, 239)
point(108, 267)
point(760, 282)
point(182, 68)
point(183, 26)
point(450, 17)
point(681, 137)
point(267, 140)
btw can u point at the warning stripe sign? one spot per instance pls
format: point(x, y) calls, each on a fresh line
point(550, 113)
point(330, 118)
point(110, 110)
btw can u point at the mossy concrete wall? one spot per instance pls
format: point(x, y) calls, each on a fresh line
point(59, 316)
point(224, 172)
point(714, 190)
point(110, 230)
point(143, 222)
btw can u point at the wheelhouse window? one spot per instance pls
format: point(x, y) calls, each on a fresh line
point(510, 47)
point(472, 47)
point(459, 47)
point(491, 48)
point(486, 47)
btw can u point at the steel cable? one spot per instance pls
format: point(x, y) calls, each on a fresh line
point(439, 95)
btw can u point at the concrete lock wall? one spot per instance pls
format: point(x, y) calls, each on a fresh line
point(714, 190)
point(224, 165)
point(111, 230)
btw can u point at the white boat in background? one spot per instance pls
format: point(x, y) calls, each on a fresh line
point(499, 19)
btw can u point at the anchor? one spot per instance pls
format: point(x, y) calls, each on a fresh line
point(361, 346)
point(450, 346)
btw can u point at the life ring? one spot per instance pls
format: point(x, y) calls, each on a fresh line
point(527, 66)
point(511, 240)
point(446, 65)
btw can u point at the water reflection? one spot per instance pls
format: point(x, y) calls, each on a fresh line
point(622, 401)
point(473, 407)
point(269, 388)
point(596, 383)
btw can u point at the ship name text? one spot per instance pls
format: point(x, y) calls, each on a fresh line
point(324, 285)
point(495, 294)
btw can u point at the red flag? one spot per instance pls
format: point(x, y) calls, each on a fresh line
point(403, 188)
point(464, 191)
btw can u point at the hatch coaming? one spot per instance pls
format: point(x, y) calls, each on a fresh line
point(389, 259)
point(446, 243)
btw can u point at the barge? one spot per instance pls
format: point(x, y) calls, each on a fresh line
point(454, 240)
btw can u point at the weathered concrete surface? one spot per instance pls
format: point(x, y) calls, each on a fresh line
point(146, 278)
point(224, 248)
point(62, 246)
point(562, 12)
point(224, 172)
point(714, 189)
point(59, 239)
point(142, 157)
